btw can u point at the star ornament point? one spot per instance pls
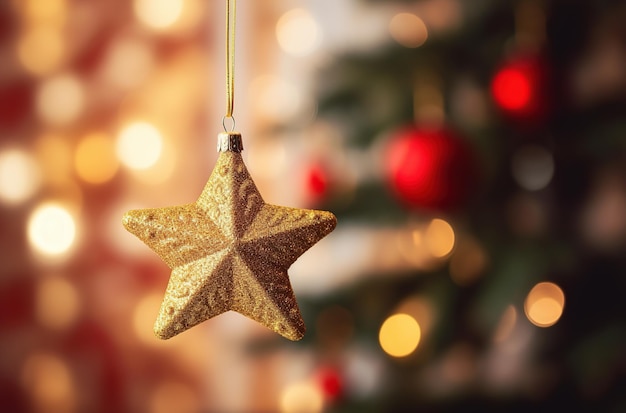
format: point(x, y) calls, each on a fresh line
point(229, 250)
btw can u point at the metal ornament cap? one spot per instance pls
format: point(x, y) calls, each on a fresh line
point(229, 142)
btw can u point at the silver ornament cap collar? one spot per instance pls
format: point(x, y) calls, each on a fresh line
point(229, 142)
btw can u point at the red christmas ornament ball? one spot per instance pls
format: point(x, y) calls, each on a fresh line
point(518, 87)
point(430, 168)
point(330, 382)
point(316, 183)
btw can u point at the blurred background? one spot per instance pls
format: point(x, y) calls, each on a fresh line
point(473, 151)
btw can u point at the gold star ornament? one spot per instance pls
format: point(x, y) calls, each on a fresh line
point(229, 250)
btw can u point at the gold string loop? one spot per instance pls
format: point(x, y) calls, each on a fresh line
point(231, 7)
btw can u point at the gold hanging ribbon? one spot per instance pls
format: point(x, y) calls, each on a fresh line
point(231, 7)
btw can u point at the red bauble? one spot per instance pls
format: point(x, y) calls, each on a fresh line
point(330, 382)
point(519, 86)
point(430, 168)
point(316, 183)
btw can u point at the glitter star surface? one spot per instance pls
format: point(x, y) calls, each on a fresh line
point(229, 251)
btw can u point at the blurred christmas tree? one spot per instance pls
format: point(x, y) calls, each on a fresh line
point(481, 156)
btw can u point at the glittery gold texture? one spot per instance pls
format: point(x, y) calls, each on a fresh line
point(229, 251)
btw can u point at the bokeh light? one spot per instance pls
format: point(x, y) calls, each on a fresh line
point(61, 99)
point(19, 176)
point(139, 145)
point(95, 159)
point(399, 335)
point(544, 304)
point(50, 384)
point(408, 30)
point(41, 49)
point(51, 229)
point(128, 62)
point(57, 303)
point(298, 33)
point(163, 169)
point(158, 14)
point(275, 99)
point(301, 397)
point(439, 238)
point(533, 167)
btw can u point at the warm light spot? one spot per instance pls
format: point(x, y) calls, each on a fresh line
point(439, 238)
point(41, 49)
point(57, 303)
point(95, 159)
point(506, 325)
point(171, 396)
point(52, 12)
point(49, 383)
point(191, 16)
point(162, 170)
point(19, 176)
point(511, 89)
point(298, 33)
point(408, 30)
point(545, 312)
point(144, 315)
point(158, 14)
point(302, 397)
point(128, 62)
point(274, 98)
point(60, 100)
point(399, 335)
point(533, 167)
point(139, 145)
point(51, 229)
point(468, 262)
point(544, 304)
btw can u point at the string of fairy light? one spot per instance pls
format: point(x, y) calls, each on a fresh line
point(142, 147)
